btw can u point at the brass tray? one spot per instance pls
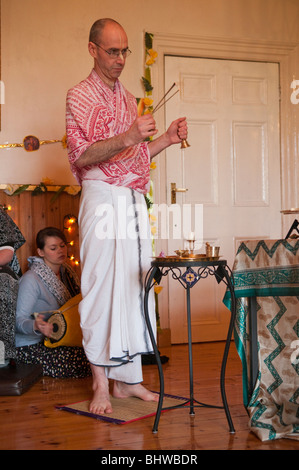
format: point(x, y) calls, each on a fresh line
point(167, 258)
point(290, 211)
point(186, 258)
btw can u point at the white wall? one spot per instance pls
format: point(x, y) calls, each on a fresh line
point(44, 52)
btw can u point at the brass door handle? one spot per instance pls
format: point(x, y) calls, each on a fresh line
point(175, 190)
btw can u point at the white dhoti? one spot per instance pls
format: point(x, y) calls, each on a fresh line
point(115, 257)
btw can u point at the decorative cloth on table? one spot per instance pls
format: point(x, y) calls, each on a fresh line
point(269, 271)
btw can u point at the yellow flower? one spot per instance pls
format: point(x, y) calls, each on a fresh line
point(64, 142)
point(152, 57)
point(153, 230)
point(153, 165)
point(47, 181)
point(9, 189)
point(153, 53)
point(158, 289)
point(72, 190)
point(148, 102)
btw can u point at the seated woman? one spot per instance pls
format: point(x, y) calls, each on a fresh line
point(46, 286)
point(11, 239)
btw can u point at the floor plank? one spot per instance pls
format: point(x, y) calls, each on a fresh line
point(32, 421)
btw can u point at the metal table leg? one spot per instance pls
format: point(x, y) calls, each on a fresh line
point(226, 350)
point(192, 413)
point(148, 285)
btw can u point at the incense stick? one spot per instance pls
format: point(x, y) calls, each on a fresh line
point(159, 104)
point(162, 104)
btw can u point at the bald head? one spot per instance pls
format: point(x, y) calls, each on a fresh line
point(97, 28)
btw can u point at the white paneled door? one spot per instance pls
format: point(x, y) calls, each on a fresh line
point(232, 169)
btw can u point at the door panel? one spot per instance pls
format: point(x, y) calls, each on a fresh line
point(232, 168)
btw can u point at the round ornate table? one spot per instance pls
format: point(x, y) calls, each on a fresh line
point(188, 272)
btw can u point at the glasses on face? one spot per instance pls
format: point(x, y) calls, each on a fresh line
point(115, 53)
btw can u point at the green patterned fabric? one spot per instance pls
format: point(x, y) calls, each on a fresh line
point(269, 271)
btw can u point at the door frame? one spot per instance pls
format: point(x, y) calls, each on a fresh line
point(284, 54)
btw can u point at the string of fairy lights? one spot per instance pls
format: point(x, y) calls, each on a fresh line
point(5, 207)
point(70, 226)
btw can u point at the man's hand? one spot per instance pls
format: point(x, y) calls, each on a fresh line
point(177, 131)
point(142, 128)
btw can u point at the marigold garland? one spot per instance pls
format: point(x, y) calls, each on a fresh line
point(145, 105)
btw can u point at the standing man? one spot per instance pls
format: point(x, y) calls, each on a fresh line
point(110, 159)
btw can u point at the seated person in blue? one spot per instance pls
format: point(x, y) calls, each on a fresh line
point(47, 285)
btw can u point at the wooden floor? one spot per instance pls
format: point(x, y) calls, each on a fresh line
point(31, 421)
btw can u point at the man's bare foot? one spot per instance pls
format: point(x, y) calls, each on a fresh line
point(123, 390)
point(100, 402)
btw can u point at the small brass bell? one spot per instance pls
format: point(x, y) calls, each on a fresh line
point(184, 144)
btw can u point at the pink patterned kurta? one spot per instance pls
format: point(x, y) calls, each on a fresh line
point(94, 112)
